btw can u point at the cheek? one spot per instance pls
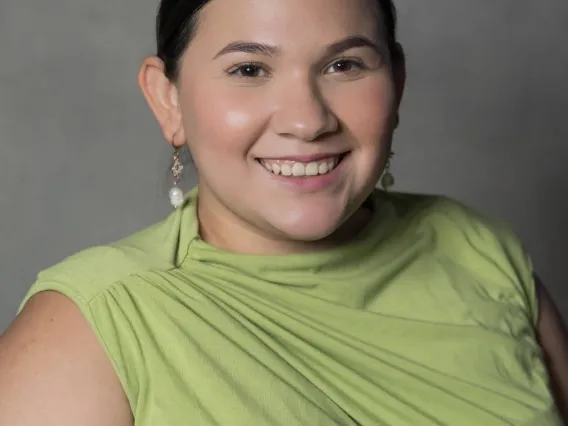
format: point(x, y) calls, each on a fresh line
point(367, 110)
point(222, 122)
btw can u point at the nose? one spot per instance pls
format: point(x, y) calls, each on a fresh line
point(303, 113)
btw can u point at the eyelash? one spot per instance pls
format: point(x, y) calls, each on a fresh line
point(234, 71)
point(350, 61)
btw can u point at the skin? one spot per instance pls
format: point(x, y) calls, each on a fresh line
point(53, 370)
point(553, 338)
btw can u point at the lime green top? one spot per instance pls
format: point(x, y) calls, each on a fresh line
point(427, 318)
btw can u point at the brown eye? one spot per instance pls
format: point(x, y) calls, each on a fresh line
point(345, 66)
point(248, 71)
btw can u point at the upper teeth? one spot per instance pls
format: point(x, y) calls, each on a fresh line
point(296, 168)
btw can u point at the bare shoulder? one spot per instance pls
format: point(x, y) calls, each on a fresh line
point(54, 371)
point(551, 327)
point(553, 338)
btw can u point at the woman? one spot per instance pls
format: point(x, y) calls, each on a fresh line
point(286, 290)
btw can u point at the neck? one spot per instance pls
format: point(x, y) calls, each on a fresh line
point(223, 229)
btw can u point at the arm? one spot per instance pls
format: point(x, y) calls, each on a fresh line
point(53, 371)
point(553, 339)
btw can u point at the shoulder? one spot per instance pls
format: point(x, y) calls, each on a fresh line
point(99, 289)
point(454, 222)
point(91, 271)
point(78, 388)
point(88, 273)
point(470, 243)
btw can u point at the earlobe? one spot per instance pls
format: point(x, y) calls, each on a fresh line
point(162, 97)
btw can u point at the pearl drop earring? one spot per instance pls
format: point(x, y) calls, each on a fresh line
point(176, 194)
point(387, 181)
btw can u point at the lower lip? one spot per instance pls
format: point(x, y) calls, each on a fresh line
point(309, 183)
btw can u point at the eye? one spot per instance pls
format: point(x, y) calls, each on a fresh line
point(248, 71)
point(345, 66)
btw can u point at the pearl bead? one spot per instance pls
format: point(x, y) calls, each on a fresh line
point(176, 197)
point(387, 181)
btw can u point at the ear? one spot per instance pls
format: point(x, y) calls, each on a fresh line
point(399, 71)
point(163, 98)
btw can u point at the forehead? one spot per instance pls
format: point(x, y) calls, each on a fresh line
point(288, 21)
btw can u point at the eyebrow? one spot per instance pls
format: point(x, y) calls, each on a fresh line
point(352, 43)
point(270, 50)
point(249, 47)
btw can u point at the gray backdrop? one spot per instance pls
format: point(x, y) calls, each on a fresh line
point(82, 161)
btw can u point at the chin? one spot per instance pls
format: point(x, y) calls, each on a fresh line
point(309, 221)
point(309, 229)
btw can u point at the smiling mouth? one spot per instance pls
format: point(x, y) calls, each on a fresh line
point(291, 168)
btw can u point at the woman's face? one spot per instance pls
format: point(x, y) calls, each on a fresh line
point(288, 108)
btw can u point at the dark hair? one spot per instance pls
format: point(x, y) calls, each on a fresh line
point(177, 21)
